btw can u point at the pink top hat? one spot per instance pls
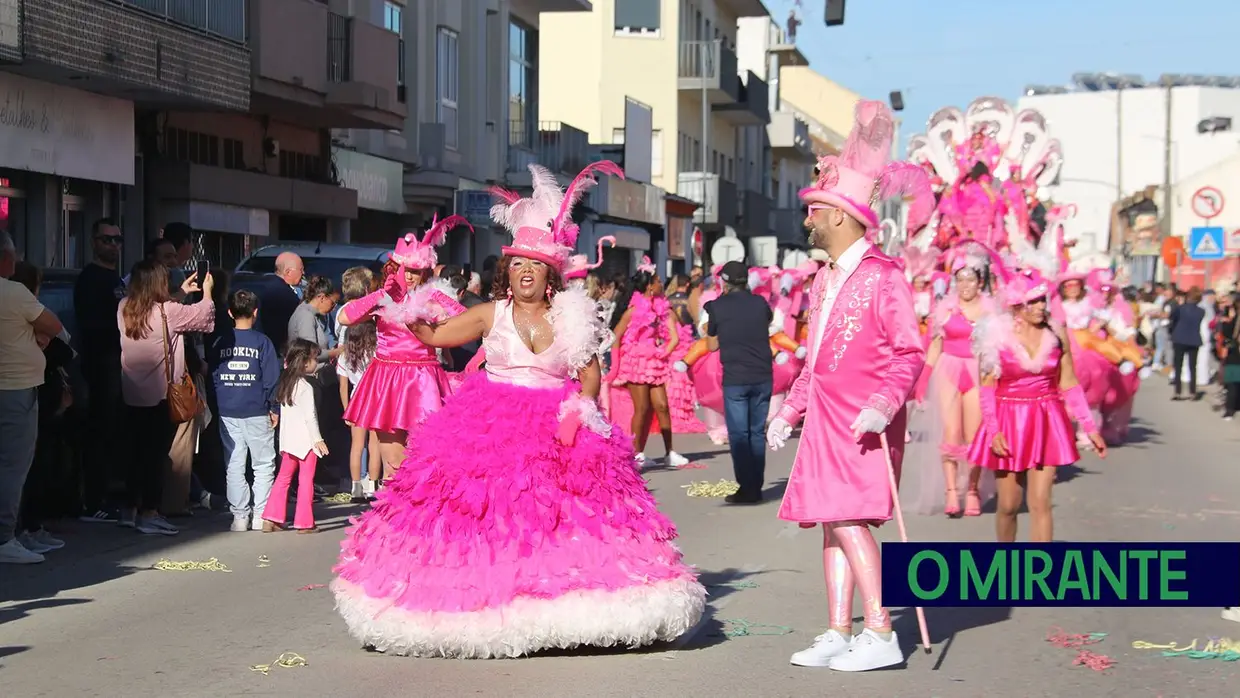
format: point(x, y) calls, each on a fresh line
point(1025, 287)
point(579, 267)
point(861, 175)
point(414, 254)
point(541, 225)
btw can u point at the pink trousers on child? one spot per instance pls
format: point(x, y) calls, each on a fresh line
point(277, 503)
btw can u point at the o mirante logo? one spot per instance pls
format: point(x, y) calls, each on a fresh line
point(1061, 574)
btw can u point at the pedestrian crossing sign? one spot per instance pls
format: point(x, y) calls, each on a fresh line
point(1205, 244)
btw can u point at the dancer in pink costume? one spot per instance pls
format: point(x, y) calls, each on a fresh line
point(405, 381)
point(952, 411)
point(777, 287)
point(642, 361)
point(865, 354)
point(518, 522)
point(1029, 397)
point(1109, 386)
point(707, 372)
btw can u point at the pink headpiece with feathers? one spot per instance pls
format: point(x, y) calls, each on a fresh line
point(542, 225)
point(861, 176)
point(578, 266)
point(412, 253)
point(646, 266)
point(919, 263)
point(1025, 286)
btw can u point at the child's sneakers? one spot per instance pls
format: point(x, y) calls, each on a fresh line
point(241, 523)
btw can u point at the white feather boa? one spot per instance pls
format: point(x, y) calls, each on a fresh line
point(433, 301)
point(574, 317)
point(587, 411)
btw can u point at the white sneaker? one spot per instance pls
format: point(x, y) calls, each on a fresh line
point(827, 645)
point(1145, 373)
point(241, 523)
point(256, 524)
point(368, 488)
point(640, 460)
point(675, 460)
point(155, 526)
point(29, 542)
point(14, 553)
point(1231, 614)
point(47, 539)
point(867, 652)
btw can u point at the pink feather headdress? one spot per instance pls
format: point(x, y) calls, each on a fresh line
point(541, 225)
point(412, 253)
point(919, 263)
point(646, 266)
point(862, 174)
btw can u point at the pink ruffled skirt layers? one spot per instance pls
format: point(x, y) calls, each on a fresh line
point(495, 540)
point(396, 396)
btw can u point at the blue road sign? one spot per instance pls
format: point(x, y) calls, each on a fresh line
point(1206, 244)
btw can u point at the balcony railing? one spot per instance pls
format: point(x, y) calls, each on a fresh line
point(222, 18)
point(789, 136)
point(555, 145)
point(339, 48)
point(711, 66)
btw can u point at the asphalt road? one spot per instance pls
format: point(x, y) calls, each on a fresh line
point(96, 620)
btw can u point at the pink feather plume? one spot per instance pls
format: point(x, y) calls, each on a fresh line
point(869, 144)
point(438, 231)
point(577, 189)
point(909, 181)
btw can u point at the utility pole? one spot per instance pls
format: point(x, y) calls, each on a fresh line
point(1167, 151)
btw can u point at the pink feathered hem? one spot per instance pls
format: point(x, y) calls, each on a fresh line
point(631, 617)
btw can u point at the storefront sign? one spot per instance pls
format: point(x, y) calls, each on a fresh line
point(630, 201)
point(61, 131)
point(223, 218)
point(11, 26)
point(475, 206)
point(379, 183)
point(677, 231)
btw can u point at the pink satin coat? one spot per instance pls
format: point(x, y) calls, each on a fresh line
point(871, 355)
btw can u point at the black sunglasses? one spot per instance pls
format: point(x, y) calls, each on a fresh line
point(111, 239)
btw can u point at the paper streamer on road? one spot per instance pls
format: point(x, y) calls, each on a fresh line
point(209, 565)
point(1223, 649)
point(739, 627)
point(263, 561)
point(288, 660)
point(723, 488)
point(1078, 642)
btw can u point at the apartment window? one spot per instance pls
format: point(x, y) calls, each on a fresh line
point(656, 153)
point(190, 146)
point(447, 84)
point(234, 154)
point(617, 136)
point(394, 21)
point(522, 83)
point(638, 16)
point(300, 166)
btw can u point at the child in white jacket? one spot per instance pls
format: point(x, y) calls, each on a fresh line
point(301, 444)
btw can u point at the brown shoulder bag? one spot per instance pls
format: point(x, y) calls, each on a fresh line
point(182, 395)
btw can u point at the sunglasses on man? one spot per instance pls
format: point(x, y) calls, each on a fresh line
point(110, 239)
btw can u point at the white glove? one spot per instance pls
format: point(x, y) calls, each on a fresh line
point(870, 421)
point(777, 433)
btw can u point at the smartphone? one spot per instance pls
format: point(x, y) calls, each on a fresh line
point(204, 268)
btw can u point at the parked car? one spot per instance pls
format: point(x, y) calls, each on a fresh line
point(322, 259)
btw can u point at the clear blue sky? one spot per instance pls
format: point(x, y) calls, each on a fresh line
point(948, 52)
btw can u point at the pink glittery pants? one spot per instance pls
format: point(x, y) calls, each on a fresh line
point(850, 560)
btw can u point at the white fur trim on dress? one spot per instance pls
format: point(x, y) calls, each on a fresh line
point(632, 617)
point(587, 410)
point(574, 317)
point(433, 301)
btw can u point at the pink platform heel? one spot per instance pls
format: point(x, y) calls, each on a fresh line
point(972, 503)
point(952, 505)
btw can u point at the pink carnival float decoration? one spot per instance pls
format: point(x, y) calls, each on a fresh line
point(987, 164)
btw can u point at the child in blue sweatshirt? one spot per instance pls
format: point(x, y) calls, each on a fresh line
point(245, 369)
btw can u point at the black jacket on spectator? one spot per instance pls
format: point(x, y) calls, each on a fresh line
point(1186, 322)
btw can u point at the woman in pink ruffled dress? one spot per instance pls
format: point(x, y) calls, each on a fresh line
point(405, 381)
point(1029, 398)
point(646, 337)
point(518, 522)
point(952, 409)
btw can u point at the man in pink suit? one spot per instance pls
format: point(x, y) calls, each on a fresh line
point(865, 355)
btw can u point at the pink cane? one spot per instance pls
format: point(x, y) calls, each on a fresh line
point(895, 501)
